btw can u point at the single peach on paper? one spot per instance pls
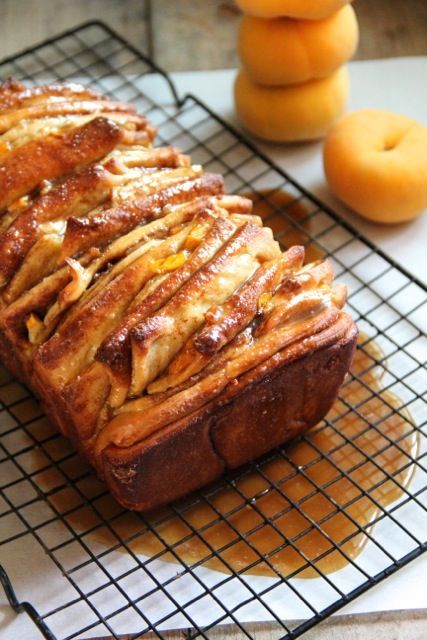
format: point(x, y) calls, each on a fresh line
point(285, 51)
point(306, 9)
point(291, 113)
point(376, 163)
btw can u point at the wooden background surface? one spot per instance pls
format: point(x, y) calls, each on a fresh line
point(201, 34)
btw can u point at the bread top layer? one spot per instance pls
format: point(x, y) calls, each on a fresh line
point(131, 285)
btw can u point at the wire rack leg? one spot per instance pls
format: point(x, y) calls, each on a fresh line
point(26, 607)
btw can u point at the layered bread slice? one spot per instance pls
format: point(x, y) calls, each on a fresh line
point(161, 325)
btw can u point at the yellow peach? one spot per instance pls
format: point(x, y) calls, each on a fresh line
point(286, 51)
point(306, 9)
point(376, 163)
point(291, 113)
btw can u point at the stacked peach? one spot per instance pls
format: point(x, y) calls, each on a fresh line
point(293, 83)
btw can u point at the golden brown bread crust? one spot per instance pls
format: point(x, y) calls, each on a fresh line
point(93, 230)
point(78, 192)
point(272, 407)
point(25, 168)
point(159, 322)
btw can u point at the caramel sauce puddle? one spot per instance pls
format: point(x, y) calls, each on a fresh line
point(314, 504)
point(270, 205)
point(297, 497)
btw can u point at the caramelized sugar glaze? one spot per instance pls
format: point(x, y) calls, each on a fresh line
point(280, 210)
point(321, 494)
point(316, 502)
point(110, 185)
point(157, 318)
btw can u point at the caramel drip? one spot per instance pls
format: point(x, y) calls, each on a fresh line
point(275, 207)
point(276, 520)
point(253, 508)
point(125, 280)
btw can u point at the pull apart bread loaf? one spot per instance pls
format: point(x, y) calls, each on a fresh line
point(156, 318)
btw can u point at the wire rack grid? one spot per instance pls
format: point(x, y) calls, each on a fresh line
point(109, 572)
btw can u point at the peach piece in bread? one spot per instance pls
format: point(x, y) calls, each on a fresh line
point(376, 163)
point(305, 9)
point(291, 113)
point(284, 51)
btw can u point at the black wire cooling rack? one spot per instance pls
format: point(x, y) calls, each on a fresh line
point(366, 462)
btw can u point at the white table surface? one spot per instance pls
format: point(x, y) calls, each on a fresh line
point(396, 84)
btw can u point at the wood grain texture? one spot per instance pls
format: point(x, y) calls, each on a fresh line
point(200, 34)
point(50, 17)
point(204, 32)
point(391, 28)
point(389, 625)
